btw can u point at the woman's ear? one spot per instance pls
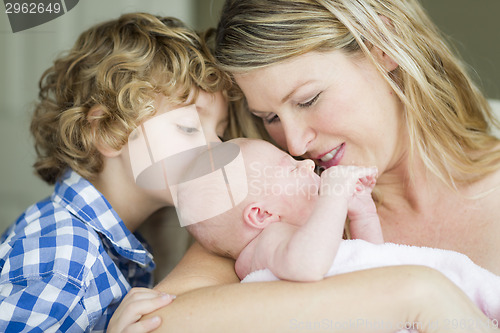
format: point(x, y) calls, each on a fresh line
point(93, 118)
point(384, 59)
point(256, 216)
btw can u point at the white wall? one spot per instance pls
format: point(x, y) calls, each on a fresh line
point(23, 58)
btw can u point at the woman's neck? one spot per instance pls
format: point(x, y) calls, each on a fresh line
point(404, 181)
point(424, 211)
point(409, 203)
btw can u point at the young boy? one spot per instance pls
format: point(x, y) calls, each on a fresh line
point(291, 223)
point(69, 260)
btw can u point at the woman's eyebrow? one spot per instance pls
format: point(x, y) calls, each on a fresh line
point(283, 100)
point(297, 87)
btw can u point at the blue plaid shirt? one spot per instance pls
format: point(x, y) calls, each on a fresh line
point(67, 263)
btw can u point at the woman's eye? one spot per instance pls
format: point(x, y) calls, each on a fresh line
point(309, 102)
point(188, 129)
point(271, 119)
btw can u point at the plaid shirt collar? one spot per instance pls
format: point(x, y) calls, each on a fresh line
point(84, 201)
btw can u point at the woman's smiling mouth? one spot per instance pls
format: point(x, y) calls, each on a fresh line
point(328, 156)
point(332, 158)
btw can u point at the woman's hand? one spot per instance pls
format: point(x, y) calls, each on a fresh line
point(137, 303)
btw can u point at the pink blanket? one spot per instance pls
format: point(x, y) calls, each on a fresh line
point(482, 286)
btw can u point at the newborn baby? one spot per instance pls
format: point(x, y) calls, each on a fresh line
point(290, 214)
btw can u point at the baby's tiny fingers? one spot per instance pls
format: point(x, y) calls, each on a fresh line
point(362, 172)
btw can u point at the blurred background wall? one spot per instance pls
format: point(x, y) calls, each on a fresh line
point(473, 27)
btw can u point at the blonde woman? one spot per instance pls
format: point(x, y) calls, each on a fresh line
point(363, 82)
point(69, 260)
point(370, 82)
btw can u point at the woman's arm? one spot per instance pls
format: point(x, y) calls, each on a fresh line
point(377, 300)
point(198, 268)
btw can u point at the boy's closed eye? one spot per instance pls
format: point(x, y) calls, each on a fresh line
point(187, 129)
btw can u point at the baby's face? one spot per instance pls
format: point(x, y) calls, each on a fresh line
point(276, 175)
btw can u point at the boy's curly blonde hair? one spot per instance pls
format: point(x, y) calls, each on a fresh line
point(119, 66)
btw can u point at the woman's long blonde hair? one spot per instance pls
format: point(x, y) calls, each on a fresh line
point(447, 117)
point(120, 66)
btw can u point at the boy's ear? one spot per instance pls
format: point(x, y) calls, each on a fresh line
point(93, 118)
point(256, 216)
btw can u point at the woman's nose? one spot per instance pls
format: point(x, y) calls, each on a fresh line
point(298, 136)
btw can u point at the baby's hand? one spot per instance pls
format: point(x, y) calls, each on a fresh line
point(137, 303)
point(362, 212)
point(366, 184)
point(361, 204)
point(348, 181)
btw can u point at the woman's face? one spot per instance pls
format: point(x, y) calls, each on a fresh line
point(329, 107)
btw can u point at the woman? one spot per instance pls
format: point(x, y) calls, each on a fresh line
point(365, 82)
point(371, 83)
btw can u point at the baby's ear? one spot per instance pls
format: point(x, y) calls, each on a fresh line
point(256, 216)
point(93, 117)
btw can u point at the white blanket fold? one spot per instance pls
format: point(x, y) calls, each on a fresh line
point(482, 286)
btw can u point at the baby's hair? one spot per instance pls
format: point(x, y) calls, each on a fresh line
point(196, 195)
